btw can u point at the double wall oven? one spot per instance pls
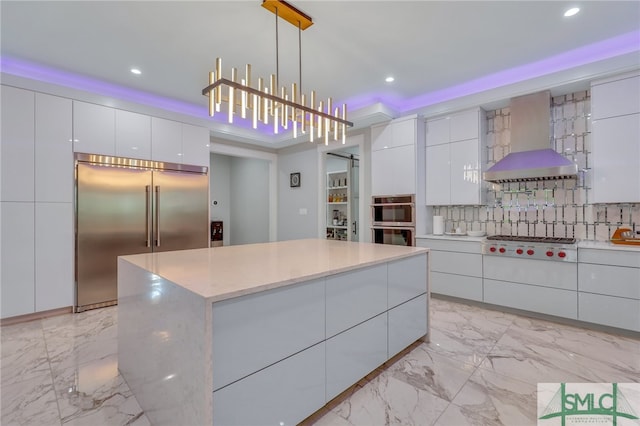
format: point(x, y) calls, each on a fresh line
point(393, 219)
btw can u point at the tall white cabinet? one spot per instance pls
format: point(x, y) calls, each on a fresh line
point(37, 209)
point(615, 132)
point(454, 158)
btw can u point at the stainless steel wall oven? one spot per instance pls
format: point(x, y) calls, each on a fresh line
point(393, 219)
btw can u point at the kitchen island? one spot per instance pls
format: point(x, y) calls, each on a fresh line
point(263, 333)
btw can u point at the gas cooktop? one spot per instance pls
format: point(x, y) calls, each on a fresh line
point(531, 239)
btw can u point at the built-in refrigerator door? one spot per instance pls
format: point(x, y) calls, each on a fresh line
point(113, 218)
point(181, 210)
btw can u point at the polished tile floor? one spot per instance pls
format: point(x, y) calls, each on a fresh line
point(480, 368)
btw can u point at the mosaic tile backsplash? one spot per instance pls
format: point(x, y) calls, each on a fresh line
point(546, 208)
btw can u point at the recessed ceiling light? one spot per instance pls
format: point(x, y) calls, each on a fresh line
point(136, 71)
point(389, 79)
point(572, 11)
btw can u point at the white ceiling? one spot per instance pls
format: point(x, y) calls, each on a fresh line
point(432, 48)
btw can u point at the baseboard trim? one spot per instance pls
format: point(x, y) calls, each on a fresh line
point(35, 316)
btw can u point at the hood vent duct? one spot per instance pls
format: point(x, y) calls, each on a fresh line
point(531, 157)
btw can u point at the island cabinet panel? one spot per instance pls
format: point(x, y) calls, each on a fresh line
point(284, 393)
point(252, 332)
point(407, 279)
point(354, 353)
point(354, 297)
point(407, 323)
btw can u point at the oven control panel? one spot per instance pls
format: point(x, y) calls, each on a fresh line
point(526, 250)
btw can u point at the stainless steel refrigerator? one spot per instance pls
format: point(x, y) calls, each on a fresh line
point(126, 206)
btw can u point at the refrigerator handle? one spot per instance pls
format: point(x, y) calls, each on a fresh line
point(157, 216)
point(148, 216)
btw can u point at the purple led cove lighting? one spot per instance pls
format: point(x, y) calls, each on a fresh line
point(30, 70)
point(605, 49)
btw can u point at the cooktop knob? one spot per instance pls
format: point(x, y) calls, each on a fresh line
point(549, 253)
point(519, 251)
point(562, 254)
point(492, 249)
point(530, 252)
point(502, 250)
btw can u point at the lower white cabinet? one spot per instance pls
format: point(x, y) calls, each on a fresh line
point(354, 353)
point(609, 287)
point(254, 331)
point(461, 286)
point(54, 253)
point(407, 323)
point(18, 245)
point(546, 300)
point(282, 394)
point(406, 279)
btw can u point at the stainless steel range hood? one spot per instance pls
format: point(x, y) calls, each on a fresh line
point(531, 157)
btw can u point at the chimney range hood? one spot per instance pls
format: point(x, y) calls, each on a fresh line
point(531, 157)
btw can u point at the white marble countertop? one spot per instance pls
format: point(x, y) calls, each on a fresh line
point(607, 245)
point(225, 272)
point(452, 237)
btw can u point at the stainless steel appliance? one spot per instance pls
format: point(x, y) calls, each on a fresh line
point(126, 206)
point(557, 249)
point(393, 219)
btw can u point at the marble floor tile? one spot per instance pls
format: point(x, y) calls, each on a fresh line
point(23, 353)
point(492, 399)
point(29, 402)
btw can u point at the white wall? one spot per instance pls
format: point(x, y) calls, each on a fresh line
point(249, 190)
point(220, 192)
point(292, 202)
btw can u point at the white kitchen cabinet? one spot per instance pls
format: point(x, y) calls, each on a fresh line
point(133, 135)
point(354, 297)
point(609, 287)
point(18, 245)
point(454, 167)
point(616, 160)
point(354, 353)
point(282, 394)
point(393, 157)
point(456, 267)
point(406, 279)
point(615, 96)
point(53, 149)
point(407, 323)
point(195, 145)
point(393, 171)
point(166, 140)
point(279, 322)
point(54, 251)
point(438, 184)
point(18, 145)
point(94, 129)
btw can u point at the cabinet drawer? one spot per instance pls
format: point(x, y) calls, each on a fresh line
point(457, 286)
point(448, 245)
point(610, 257)
point(407, 323)
point(609, 310)
point(456, 263)
point(406, 279)
point(354, 297)
point(611, 280)
point(355, 353)
point(284, 393)
point(529, 271)
point(615, 98)
point(254, 331)
point(551, 301)
point(465, 125)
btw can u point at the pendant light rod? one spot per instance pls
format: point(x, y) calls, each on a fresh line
point(240, 86)
point(277, 53)
point(300, 57)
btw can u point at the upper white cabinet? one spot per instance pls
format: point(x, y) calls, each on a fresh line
point(195, 145)
point(133, 135)
point(166, 140)
point(615, 132)
point(454, 159)
point(94, 129)
point(53, 149)
point(393, 157)
point(17, 144)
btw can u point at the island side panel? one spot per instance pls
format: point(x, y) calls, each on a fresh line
point(164, 347)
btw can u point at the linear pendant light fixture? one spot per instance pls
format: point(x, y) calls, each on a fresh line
point(265, 102)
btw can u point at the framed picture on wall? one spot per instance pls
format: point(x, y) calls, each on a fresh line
point(294, 180)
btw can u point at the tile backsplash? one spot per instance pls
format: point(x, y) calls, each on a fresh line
point(557, 208)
